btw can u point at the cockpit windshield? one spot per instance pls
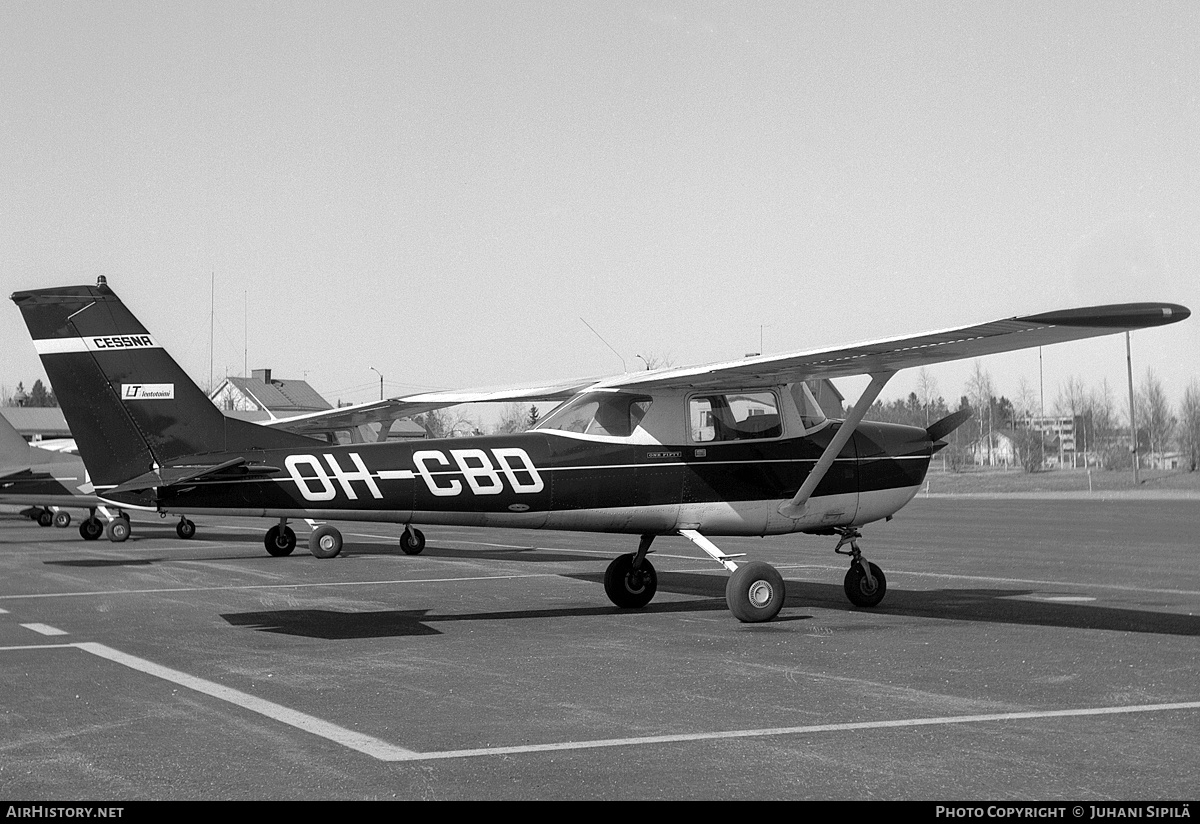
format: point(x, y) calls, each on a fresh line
point(614, 414)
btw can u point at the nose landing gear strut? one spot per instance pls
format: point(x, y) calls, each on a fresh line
point(865, 583)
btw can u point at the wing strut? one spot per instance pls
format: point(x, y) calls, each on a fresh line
point(795, 507)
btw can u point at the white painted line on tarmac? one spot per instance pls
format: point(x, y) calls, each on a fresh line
point(45, 629)
point(383, 751)
point(992, 579)
point(36, 646)
point(318, 585)
point(776, 731)
point(1043, 583)
point(366, 744)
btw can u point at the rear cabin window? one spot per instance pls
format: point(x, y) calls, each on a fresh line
point(600, 413)
point(734, 416)
point(811, 414)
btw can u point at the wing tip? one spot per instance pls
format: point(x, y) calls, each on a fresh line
point(1115, 316)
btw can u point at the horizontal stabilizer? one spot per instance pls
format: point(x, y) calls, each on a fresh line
point(942, 428)
point(233, 469)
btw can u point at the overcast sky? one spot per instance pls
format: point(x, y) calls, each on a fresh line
point(440, 191)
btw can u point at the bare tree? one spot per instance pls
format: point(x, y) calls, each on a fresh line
point(1189, 425)
point(1154, 413)
point(980, 391)
point(927, 392)
point(1106, 424)
point(657, 360)
point(1026, 401)
point(1070, 401)
point(514, 418)
point(452, 422)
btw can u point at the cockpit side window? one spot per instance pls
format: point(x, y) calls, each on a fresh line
point(734, 416)
point(600, 413)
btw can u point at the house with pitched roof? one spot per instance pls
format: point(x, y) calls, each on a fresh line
point(263, 397)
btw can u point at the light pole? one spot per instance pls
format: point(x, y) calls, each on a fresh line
point(380, 374)
point(1132, 417)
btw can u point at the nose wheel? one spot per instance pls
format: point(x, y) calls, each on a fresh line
point(865, 583)
point(630, 580)
point(280, 540)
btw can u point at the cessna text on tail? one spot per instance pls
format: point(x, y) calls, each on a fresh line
point(739, 448)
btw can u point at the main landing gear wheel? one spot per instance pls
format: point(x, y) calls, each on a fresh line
point(862, 592)
point(280, 541)
point(62, 519)
point(412, 541)
point(91, 529)
point(185, 528)
point(325, 542)
point(45, 518)
point(629, 587)
point(754, 592)
point(117, 530)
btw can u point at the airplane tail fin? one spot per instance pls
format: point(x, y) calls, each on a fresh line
point(130, 406)
point(14, 449)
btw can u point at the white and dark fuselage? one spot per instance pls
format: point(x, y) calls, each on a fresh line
point(561, 480)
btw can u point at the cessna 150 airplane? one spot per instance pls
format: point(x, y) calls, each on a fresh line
point(739, 448)
point(49, 482)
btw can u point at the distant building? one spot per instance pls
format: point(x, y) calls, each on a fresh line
point(828, 398)
point(263, 397)
point(1002, 447)
point(996, 448)
point(1164, 460)
point(37, 423)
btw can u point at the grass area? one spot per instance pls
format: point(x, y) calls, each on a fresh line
point(1059, 480)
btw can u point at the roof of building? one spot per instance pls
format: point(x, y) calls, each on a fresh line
point(31, 421)
point(280, 397)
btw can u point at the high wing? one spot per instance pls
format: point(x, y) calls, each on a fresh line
point(386, 411)
point(872, 357)
point(893, 354)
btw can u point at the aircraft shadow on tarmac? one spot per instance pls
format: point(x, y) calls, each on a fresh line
point(987, 605)
point(100, 563)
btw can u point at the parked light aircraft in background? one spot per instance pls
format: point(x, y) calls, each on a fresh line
point(739, 448)
point(49, 482)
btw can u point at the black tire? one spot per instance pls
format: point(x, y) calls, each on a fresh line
point(45, 518)
point(280, 542)
point(325, 542)
point(117, 530)
point(90, 529)
point(627, 587)
point(62, 520)
point(755, 592)
point(412, 542)
point(860, 593)
point(185, 529)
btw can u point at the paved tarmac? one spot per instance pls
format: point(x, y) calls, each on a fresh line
point(1026, 650)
